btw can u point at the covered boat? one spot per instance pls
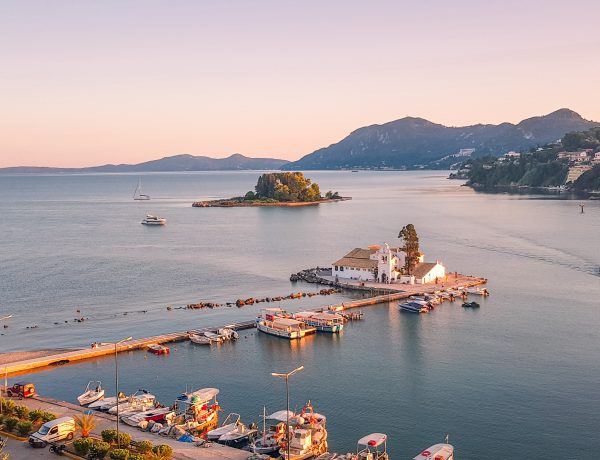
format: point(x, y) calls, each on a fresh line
point(441, 451)
point(158, 349)
point(372, 447)
point(323, 322)
point(275, 321)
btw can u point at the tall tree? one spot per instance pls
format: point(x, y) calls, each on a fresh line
point(410, 239)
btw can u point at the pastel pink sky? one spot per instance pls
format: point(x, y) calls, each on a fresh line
point(87, 82)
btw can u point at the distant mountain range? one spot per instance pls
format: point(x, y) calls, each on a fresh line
point(234, 162)
point(417, 143)
point(408, 143)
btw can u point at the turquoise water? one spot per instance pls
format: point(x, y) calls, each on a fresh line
point(515, 379)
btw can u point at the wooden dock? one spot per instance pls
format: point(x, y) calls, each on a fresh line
point(386, 295)
point(107, 349)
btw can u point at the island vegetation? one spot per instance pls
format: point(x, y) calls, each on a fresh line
point(571, 164)
point(278, 189)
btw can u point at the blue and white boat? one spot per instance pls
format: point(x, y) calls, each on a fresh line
point(323, 322)
point(275, 321)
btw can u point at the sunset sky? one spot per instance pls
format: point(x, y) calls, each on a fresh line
point(92, 82)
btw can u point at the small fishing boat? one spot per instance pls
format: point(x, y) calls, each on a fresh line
point(154, 220)
point(138, 195)
point(483, 292)
point(323, 322)
point(216, 338)
point(158, 349)
point(269, 441)
point(157, 414)
point(239, 436)
point(107, 403)
point(195, 411)
point(308, 437)
point(93, 392)
point(140, 401)
point(372, 447)
point(442, 451)
point(230, 423)
point(228, 333)
point(275, 321)
point(470, 305)
point(199, 339)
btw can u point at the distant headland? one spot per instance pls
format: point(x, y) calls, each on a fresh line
point(278, 189)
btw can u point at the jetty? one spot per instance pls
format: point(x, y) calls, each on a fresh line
point(58, 359)
point(377, 293)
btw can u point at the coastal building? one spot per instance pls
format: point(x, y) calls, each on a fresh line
point(577, 157)
point(384, 264)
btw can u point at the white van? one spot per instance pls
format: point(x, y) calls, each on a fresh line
point(53, 431)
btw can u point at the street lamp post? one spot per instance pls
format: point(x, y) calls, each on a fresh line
point(287, 376)
point(117, 386)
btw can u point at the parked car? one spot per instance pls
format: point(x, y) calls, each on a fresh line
point(22, 390)
point(53, 431)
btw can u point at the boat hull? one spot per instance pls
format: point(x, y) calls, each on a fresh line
point(290, 335)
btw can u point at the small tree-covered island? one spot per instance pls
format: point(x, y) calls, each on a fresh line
point(278, 189)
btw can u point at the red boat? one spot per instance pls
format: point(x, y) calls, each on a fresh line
point(158, 349)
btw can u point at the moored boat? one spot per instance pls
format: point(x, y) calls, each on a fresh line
point(158, 349)
point(214, 337)
point(200, 339)
point(238, 436)
point(372, 447)
point(107, 403)
point(275, 321)
point(93, 392)
point(140, 401)
point(198, 410)
point(269, 441)
point(156, 414)
point(228, 333)
point(308, 437)
point(323, 322)
point(230, 423)
point(413, 307)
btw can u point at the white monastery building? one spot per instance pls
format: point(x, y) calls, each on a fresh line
point(383, 264)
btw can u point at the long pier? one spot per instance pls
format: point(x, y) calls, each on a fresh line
point(386, 295)
point(107, 349)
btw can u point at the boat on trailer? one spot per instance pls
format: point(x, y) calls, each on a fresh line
point(93, 392)
point(275, 321)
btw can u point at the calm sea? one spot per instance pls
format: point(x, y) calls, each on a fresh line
point(516, 379)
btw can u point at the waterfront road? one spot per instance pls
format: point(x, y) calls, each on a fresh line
point(182, 451)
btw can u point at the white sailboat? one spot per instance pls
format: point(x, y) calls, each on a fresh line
point(138, 195)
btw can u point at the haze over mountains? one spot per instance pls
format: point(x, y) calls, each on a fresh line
point(408, 143)
point(415, 142)
point(235, 162)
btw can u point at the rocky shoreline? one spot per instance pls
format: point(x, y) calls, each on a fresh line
point(241, 203)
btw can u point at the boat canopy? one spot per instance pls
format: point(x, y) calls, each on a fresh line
point(327, 316)
point(281, 415)
point(373, 440)
point(198, 396)
point(287, 321)
point(438, 451)
point(304, 314)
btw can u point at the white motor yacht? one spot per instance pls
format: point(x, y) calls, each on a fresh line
point(154, 220)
